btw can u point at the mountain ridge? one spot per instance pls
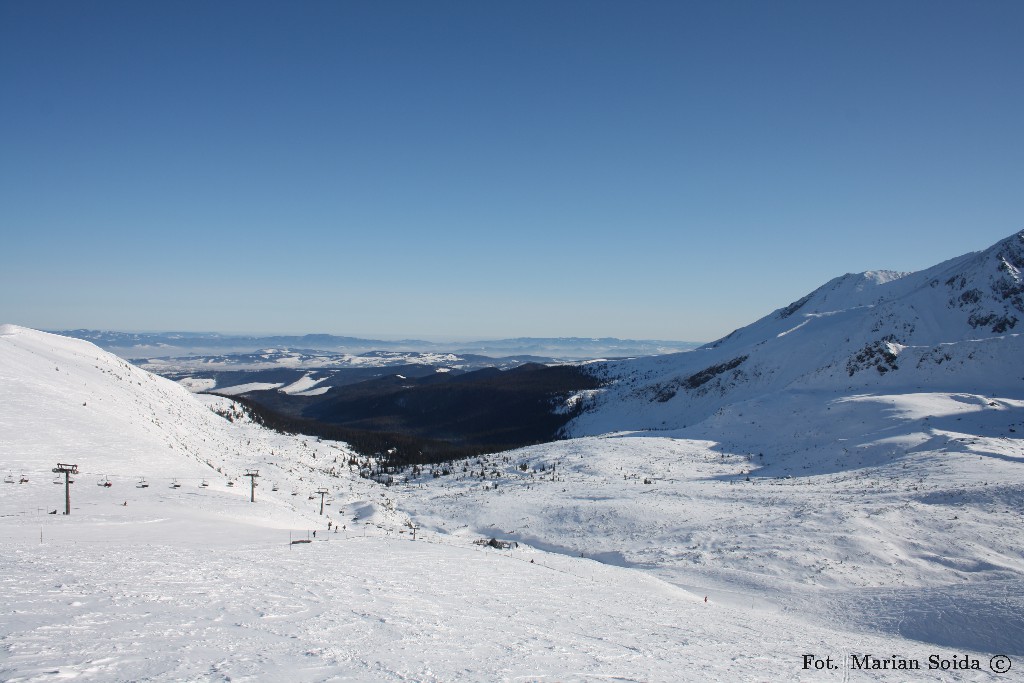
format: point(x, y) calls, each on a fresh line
point(947, 327)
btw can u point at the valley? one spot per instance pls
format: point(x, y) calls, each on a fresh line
point(839, 481)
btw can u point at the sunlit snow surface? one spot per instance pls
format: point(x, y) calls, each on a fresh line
point(899, 532)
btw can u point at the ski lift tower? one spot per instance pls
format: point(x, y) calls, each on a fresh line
point(67, 470)
point(322, 492)
point(252, 474)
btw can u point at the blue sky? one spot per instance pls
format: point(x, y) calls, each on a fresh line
point(463, 169)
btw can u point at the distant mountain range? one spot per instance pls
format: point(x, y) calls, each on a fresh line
point(954, 327)
point(147, 345)
point(324, 363)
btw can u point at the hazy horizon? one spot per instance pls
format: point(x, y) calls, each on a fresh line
point(366, 336)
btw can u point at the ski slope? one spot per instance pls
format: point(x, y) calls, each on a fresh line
point(197, 583)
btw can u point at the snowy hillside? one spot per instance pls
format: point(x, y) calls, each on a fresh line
point(880, 513)
point(67, 401)
point(180, 581)
point(843, 478)
point(952, 327)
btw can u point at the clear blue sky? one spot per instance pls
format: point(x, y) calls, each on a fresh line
point(484, 169)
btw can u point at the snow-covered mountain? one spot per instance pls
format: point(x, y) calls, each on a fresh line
point(952, 327)
point(668, 557)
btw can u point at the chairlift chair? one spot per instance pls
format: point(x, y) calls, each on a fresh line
point(143, 484)
point(231, 483)
point(104, 482)
point(274, 487)
point(9, 479)
point(204, 484)
point(175, 484)
point(57, 480)
point(23, 480)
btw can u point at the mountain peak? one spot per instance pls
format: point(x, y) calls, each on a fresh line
point(949, 327)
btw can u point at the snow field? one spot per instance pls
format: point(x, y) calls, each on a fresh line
point(873, 523)
point(899, 527)
point(378, 609)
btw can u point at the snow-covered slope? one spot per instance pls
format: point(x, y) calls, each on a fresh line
point(855, 458)
point(952, 327)
point(190, 582)
point(900, 532)
point(65, 400)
